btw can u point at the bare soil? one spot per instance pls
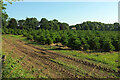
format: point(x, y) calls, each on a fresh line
point(40, 60)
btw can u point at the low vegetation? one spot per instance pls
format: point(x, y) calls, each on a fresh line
point(13, 68)
point(79, 40)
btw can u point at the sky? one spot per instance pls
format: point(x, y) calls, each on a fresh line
point(68, 0)
point(69, 12)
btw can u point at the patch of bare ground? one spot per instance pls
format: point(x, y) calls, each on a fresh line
point(39, 60)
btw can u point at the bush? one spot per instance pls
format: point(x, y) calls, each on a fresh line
point(30, 37)
point(116, 44)
point(74, 42)
point(107, 46)
point(94, 43)
point(42, 39)
point(86, 47)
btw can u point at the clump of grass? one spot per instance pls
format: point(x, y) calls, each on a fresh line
point(13, 69)
point(108, 59)
point(79, 71)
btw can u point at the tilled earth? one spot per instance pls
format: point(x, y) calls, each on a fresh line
point(42, 61)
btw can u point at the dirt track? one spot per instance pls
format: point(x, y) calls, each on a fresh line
point(40, 59)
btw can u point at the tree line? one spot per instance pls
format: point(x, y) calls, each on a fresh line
point(33, 23)
point(97, 26)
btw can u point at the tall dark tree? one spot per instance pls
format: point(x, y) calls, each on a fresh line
point(4, 15)
point(116, 26)
point(31, 23)
point(21, 24)
point(44, 23)
point(63, 26)
point(12, 23)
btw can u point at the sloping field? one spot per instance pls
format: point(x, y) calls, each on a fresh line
point(45, 63)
